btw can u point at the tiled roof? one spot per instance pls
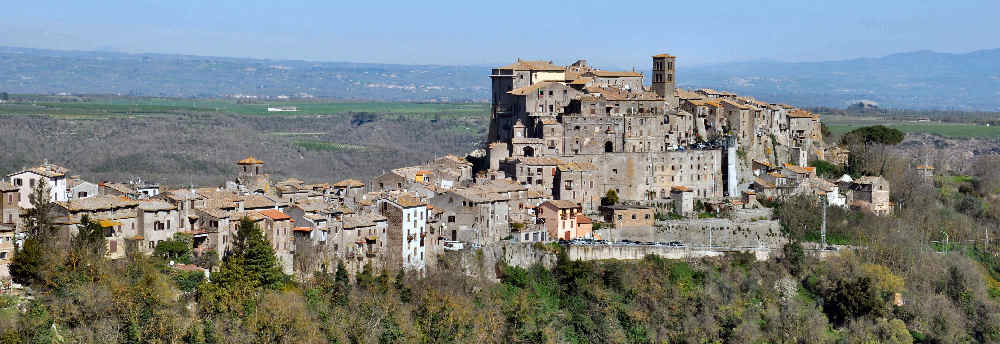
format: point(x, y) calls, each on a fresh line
point(763, 183)
point(46, 170)
point(349, 183)
point(258, 202)
point(680, 188)
point(563, 204)
point(581, 219)
point(122, 188)
point(302, 229)
point(274, 214)
point(155, 205)
point(100, 202)
point(250, 160)
point(663, 55)
point(182, 195)
point(533, 66)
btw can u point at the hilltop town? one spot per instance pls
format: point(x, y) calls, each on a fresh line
point(591, 159)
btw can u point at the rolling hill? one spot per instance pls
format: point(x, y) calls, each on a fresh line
point(915, 80)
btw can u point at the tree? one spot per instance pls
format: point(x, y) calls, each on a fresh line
point(861, 140)
point(178, 248)
point(29, 260)
point(256, 255)
point(610, 198)
point(247, 268)
point(826, 169)
point(341, 285)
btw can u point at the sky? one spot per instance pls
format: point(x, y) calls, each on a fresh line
point(618, 34)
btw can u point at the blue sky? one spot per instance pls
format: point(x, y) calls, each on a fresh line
point(608, 33)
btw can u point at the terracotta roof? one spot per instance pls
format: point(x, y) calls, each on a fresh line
point(925, 167)
point(302, 229)
point(406, 201)
point(680, 188)
point(581, 81)
point(563, 204)
point(763, 183)
point(274, 214)
point(798, 113)
point(700, 102)
point(250, 160)
point(581, 219)
point(349, 183)
point(662, 55)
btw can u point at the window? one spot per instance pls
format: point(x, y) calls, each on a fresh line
point(152, 244)
point(633, 216)
point(17, 181)
point(550, 92)
point(647, 216)
point(31, 182)
point(451, 219)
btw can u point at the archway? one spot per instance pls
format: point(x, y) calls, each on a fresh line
point(609, 147)
point(528, 151)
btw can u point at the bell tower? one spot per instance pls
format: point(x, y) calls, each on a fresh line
point(663, 78)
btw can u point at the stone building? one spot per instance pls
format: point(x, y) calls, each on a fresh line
point(10, 208)
point(406, 232)
point(642, 140)
point(559, 217)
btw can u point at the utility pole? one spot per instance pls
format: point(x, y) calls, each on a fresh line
point(822, 233)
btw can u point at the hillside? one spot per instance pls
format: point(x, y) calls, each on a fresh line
point(916, 80)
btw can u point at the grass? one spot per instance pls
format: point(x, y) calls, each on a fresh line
point(842, 124)
point(323, 146)
point(101, 107)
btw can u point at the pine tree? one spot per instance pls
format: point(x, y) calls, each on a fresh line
point(30, 258)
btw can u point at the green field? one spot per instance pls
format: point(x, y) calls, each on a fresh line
point(323, 146)
point(106, 107)
point(842, 124)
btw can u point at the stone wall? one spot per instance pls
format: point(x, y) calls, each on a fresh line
point(704, 232)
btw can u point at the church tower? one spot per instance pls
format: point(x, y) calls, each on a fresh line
point(663, 78)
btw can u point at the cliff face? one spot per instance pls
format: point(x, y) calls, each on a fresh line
point(482, 263)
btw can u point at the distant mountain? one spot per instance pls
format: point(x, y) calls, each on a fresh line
point(917, 80)
point(53, 71)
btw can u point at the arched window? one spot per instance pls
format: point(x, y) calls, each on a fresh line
point(528, 151)
point(609, 147)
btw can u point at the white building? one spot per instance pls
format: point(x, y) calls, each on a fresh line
point(407, 229)
point(25, 181)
